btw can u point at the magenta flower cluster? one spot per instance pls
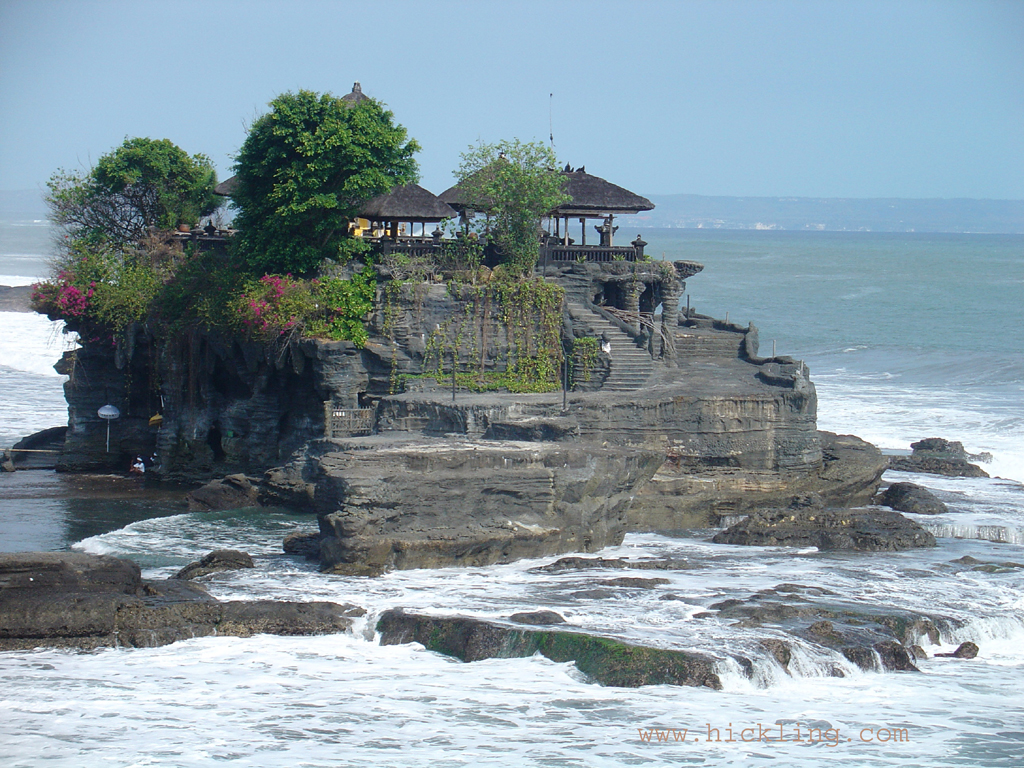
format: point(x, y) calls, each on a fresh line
point(261, 312)
point(65, 298)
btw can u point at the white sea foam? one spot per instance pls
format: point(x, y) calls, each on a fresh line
point(31, 343)
point(345, 700)
point(15, 280)
point(31, 392)
point(893, 416)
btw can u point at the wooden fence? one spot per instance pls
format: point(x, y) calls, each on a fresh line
point(347, 422)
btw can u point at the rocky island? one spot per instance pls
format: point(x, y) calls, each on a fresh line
point(491, 391)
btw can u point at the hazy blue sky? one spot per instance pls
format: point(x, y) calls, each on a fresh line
point(844, 99)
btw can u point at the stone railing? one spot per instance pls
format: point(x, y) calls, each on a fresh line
point(412, 247)
point(551, 254)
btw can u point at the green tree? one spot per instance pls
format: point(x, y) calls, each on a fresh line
point(143, 185)
point(516, 183)
point(304, 170)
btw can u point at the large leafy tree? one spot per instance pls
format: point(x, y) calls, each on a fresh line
point(143, 185)
point(304, 170)
point(516, 184)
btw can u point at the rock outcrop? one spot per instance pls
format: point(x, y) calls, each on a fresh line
point(936, 456)
point(679, 423)
point(419, 503)
point(603, 660)
point(874, 639)
point(910, 497)
point(73, 600)
point(537, 618)
point(864, 530)
point(233, 492)
point(39, 450)
point(966, 650)
point(16, 298)
point(217, 561)
point(680, 496)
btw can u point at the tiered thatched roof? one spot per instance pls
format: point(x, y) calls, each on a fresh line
point(356, 96)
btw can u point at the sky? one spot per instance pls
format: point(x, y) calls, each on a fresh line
point(784, 98)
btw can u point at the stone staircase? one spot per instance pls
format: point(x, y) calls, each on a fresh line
point(631, 367)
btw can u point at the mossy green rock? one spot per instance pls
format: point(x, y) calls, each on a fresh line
point(603, 660)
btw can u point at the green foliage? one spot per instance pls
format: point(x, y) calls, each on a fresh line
point(279, 305)
point(126, 297)
point(303, 172)
point(114, 271)
point(143, 185)
point(531, 310)
point(516, 183)
point(585, 352)
point(100, 291)
point(343, 304)
point(198, 295)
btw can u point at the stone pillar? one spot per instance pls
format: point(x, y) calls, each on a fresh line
point(633, 290)
point(328, 418)
point(671, 291)
point(638, 248)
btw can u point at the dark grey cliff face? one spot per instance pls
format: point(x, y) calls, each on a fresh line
point(226, 406)
point(681, 496)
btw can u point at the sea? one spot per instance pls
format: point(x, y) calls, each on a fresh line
point(906, 336)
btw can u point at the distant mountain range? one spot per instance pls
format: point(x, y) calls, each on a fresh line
point(832, 214)
point(827, 214)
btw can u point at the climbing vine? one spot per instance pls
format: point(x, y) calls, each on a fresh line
point(528, 314)
point(585, 353)
point(390, 309)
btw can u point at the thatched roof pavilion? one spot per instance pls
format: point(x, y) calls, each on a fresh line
point(593, 196)
point(590, 196)
point(411, 203)
point(227, 187)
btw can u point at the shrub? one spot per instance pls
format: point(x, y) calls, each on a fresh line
point(274, 306)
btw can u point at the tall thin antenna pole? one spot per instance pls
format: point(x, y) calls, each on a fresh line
point(551, 120)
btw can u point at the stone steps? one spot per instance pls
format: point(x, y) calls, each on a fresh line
point(631, 367)
point(705, 344)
